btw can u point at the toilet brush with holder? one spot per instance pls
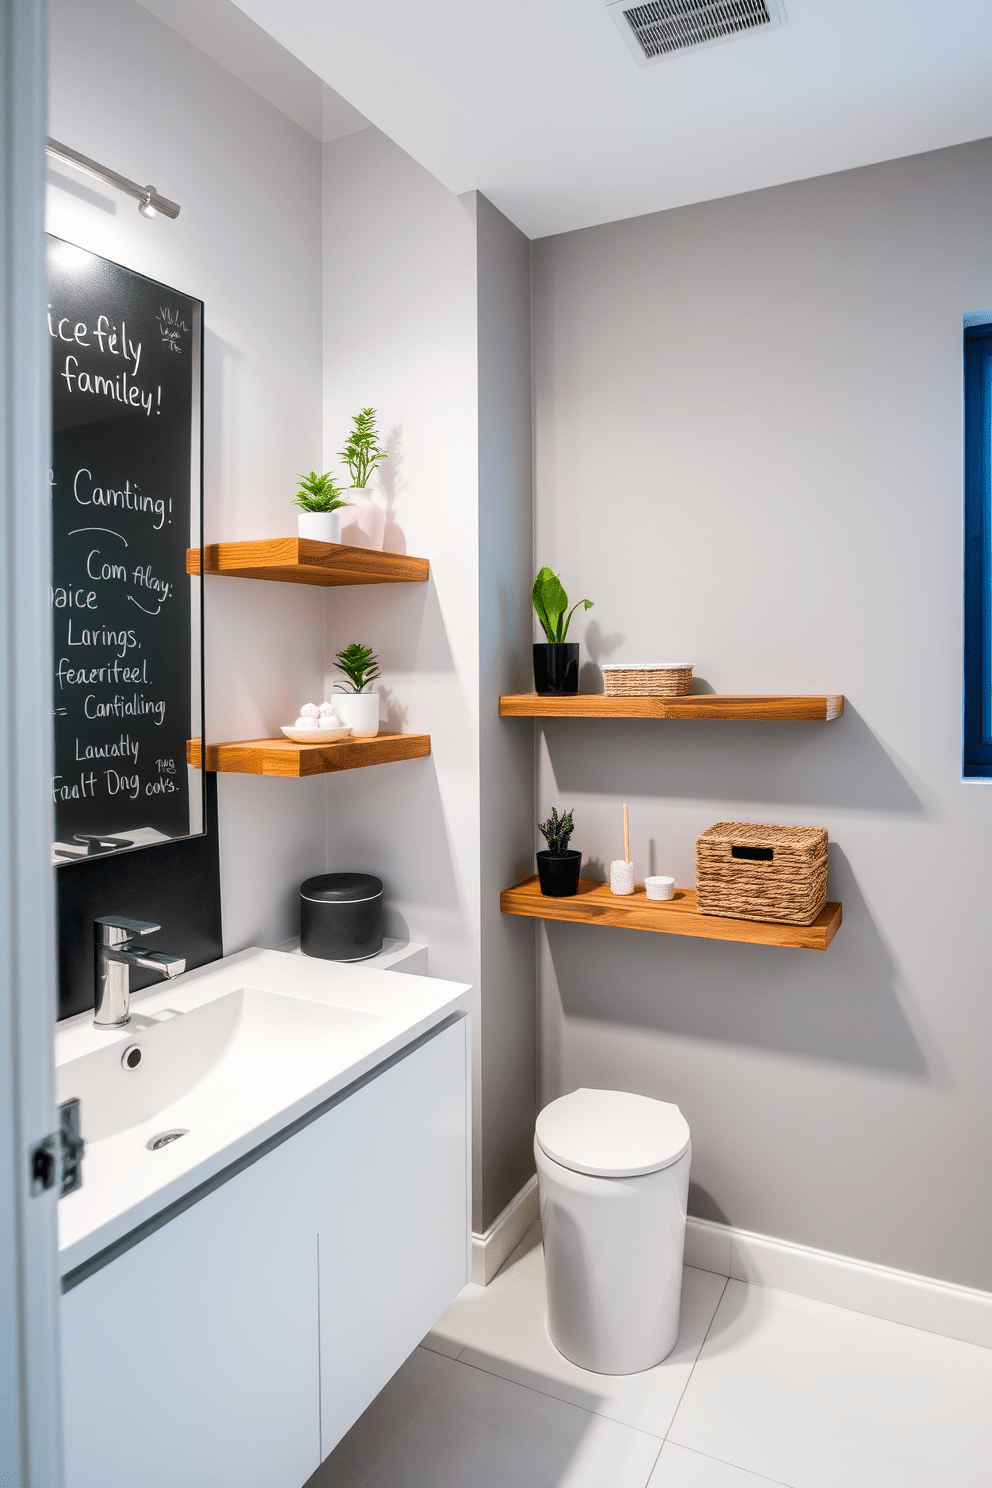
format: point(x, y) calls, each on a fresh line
point(622, 869)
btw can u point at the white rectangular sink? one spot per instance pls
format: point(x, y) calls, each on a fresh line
point(224, 1058)
point(245, 1046)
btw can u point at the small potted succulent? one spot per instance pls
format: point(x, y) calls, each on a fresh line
point(558, 865)
point(357, 708)
point(364, 526)
point(319, 498)
point(556, 663)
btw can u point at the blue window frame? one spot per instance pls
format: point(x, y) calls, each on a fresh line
point(978, 550)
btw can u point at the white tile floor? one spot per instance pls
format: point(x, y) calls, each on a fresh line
point(763, 1388)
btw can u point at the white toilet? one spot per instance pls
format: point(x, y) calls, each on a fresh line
point(613, 1174)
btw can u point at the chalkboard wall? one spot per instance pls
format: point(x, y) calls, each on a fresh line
point(126, 504)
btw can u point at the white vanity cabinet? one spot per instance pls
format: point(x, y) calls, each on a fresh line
point(393, 1221)
point(235, 1345)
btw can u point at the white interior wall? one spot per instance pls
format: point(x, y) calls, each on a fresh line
point(400, 335)
point(748, 454)
point(427, 319)
point(247, 242)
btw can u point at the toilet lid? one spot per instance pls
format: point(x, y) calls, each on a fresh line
point(611, 1133)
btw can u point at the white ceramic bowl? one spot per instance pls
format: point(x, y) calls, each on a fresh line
point(314, 735)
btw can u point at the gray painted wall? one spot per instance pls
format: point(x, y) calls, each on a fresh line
point(506, 545)
point(748, 453)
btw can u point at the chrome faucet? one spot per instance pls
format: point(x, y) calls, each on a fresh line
point(116, 953)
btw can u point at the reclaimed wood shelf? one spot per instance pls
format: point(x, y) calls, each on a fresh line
point(283, 757)
point(595, 905)
point(818, 708)
point(298, 560)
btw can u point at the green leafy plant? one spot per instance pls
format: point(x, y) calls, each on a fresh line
point(362, 451)
point(551, 604)
point(319, 493)
point(557, 830)
point(359, 666)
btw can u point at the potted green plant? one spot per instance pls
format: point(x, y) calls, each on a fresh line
point(558, 865)
point(358, 708)
point(319, 498)
point(365, 524)
point(556, 662)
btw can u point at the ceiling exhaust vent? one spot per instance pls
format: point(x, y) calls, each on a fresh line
point(653, 29)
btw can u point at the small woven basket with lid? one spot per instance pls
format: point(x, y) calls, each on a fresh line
point(749, 871)
point(647, 679)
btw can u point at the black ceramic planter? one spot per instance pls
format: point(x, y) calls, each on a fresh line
point(556, 668)
point(559, 876)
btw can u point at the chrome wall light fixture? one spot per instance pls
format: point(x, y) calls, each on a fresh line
point(150, 204)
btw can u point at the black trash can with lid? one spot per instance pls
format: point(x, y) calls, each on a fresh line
point(341, 916)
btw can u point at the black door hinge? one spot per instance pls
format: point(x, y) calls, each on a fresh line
point(58, 1159)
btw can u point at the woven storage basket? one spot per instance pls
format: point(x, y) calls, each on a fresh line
point(647, 679)
point(752, 872)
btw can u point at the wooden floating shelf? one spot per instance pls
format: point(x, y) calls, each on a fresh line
point(595, 905)
point(298, 560)
point(819, 708)
point(283, 757)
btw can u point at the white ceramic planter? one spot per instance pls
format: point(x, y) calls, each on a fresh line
point(358, 711)
point(363, 521)
point(320, 526)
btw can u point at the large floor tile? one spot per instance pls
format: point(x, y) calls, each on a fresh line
point(816, 1397)
point(513, 1342)
point(459, 1324)
point(679, 1468)
point(479, 1431)
point(382, 1425)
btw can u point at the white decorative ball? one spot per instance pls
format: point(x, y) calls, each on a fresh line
point(309, 710)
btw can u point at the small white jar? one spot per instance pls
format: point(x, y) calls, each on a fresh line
point(358, 711)
point(319, 526)
point(621, 877)
point(659, 887)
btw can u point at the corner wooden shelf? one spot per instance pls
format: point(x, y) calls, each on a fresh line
point(817, 708)
point(595, 905)
point(298, 560)
point(283, 757)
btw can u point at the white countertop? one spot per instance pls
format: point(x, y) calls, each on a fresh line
point(124, 1184)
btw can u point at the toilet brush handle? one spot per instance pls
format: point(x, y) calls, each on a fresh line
point(626, 835)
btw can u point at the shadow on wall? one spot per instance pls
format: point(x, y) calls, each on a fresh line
point(840, 1005)
point(600, 647)
point(702, 1205)
point(840, 764)
point(408, 634)
point(409, 809)
point(83, 193)
point(392, 485)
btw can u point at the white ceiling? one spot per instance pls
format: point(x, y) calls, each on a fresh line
point(540, 105)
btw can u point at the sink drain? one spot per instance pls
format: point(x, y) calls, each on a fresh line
point(164, 1138)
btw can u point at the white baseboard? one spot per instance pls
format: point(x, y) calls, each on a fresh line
point(490, 1250)
point(919, 1301)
